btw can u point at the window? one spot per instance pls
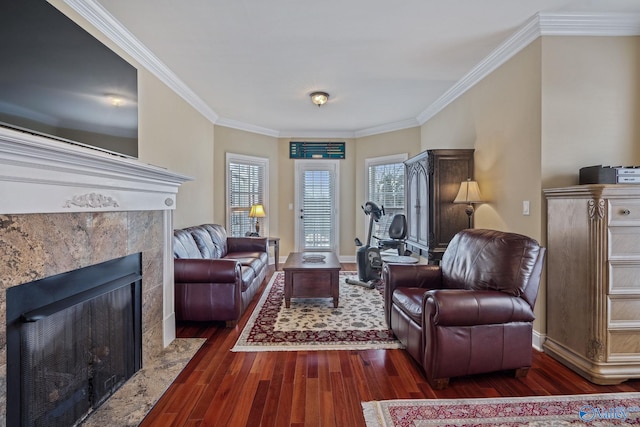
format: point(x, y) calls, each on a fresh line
point(385, 187)
point(246, 186)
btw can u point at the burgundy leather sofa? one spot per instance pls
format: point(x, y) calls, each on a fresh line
point(216, 276)
point(471, 314)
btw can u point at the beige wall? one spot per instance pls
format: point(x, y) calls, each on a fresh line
point(500, 119)
point(173, 135)
point(591, 105)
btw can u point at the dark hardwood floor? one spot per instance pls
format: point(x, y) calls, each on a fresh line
point(325, 388)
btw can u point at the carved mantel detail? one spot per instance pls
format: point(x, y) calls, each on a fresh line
point(91, 200)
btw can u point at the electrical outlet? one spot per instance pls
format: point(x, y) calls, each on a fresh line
point(525, 207)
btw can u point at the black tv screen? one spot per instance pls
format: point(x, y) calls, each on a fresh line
point(58, 80)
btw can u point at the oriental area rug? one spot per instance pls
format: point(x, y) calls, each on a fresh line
point(358, 322)
point(610, 409)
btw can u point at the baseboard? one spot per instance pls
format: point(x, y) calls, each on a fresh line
point(538, 340)
point(169, 329)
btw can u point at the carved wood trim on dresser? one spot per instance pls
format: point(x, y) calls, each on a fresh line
point(593, 280)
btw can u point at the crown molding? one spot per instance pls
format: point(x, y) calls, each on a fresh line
point(236, 124)
point(389, 127)
point(541, 24)
point(376, 130)
point(346, 134)
point(100, 18)
point(589, 24)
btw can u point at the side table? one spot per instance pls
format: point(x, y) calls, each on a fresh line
point(275, 242)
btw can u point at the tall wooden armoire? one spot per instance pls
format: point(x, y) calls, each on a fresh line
point(432, 180)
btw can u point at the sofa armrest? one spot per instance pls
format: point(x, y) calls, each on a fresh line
point(247, 244)
point(187, 270)
point(462, 307)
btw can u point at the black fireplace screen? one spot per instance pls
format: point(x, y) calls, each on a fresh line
point(74, 359)
point(76, 349)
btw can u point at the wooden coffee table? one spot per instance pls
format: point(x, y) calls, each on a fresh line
point(311, 279)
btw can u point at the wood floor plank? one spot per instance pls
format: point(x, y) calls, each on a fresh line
point(312, 403)
point(325, 388)
point(285, 403)
point(299, 389)
point(343, 416)
point(273, 393)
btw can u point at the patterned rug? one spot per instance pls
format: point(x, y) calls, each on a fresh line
point(612, 409)
point(314, 324)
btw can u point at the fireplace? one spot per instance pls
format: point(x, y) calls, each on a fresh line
point(72, 340)
point(65, 208)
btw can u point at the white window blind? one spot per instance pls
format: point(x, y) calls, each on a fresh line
point(385, 187)
point(246, 186)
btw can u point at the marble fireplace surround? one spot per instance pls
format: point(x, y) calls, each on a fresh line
point(64, 207)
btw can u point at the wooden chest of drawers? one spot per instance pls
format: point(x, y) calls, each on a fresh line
point(593, 280)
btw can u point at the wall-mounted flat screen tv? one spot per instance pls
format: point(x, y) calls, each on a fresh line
point(59, 81)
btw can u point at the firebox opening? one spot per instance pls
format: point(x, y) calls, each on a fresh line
point(72, 340)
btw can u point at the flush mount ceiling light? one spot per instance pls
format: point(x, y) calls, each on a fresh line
point(319, 98)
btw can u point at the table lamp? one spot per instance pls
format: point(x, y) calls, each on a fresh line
point(257, 212)
point(468, 193)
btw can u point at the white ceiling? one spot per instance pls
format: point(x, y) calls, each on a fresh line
point(255, 62)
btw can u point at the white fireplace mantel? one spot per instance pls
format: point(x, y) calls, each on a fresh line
point(41, 175)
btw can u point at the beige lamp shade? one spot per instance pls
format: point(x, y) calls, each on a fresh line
point(468, 193)
point(257, 211)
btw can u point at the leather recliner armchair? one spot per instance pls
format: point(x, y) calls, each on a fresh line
point(471, 314)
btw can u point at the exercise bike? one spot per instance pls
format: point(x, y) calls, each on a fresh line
point(368, 258)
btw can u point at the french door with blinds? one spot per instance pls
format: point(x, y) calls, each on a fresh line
point(317, 205)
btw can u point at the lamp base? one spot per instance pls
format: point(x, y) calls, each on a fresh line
point(257, 227)
point(469, 211)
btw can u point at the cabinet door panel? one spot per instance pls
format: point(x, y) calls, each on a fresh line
point(423, 213)
point(413, 207)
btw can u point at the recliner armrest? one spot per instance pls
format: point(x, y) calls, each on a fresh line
point(187, 270)
point(412, 276)
point(462, 307)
